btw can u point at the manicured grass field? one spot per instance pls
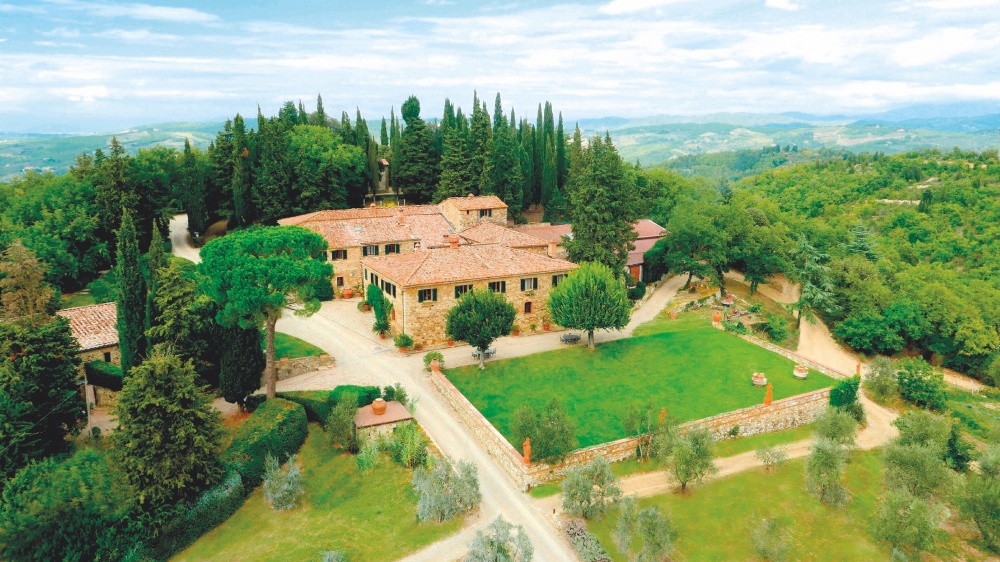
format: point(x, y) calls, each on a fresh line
point(372, 518)
point(292, 347)
point(692, 369)
point(713, 522)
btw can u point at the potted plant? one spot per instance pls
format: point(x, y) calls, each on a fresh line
point(545, 322)
point(417, 346)
point(381, 327)
point(363, 306)
point(533, 327)
point(515, 330)
point(402, 341)
point(347, 293)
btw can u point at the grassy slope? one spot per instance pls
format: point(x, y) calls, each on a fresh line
point(373, 518)
point(694, 370)
point(292, 347)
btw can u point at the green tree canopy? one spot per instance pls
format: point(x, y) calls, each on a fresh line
point(480, 317)
point(255, 274)
point(130, 297)
point(418, 163)
point(168, 435)
point(591, 298)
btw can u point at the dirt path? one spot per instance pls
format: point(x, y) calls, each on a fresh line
point(779, 289)
point(180, 239)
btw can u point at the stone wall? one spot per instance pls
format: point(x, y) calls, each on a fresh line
point(425, 321)
point(99, 355)
point(288, 368)
point(462, 219)
point(782, 414)
point(352, 271)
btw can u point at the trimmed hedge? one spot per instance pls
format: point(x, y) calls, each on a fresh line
point(210, 510)
point(318, 403)
point(278, 427)
point(104, 374)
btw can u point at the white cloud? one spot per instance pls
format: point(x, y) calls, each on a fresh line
point(85, 94)
point(782, 5)
point(957, 4)
point(942, 45)
point(136, 35)
point(139, 11)
point(617, 7)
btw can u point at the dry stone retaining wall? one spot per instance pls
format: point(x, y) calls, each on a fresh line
point(782, 414)
point(288, 368)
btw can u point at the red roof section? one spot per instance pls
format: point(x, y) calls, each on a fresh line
point(94, 326)
point(394, 412)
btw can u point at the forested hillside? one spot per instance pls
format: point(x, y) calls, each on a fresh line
point(898, 253)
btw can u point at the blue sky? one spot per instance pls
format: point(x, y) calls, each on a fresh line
point(84, 66)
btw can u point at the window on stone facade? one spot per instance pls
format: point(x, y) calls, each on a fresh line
point(370, 250)
point(529, 284)
point(374, 279)
point(556, 279)
point(340, 281)
point(498, 286)
point(338, 255)
point(485, 213)
point(461, 290)
point(391, 249)
point(107, 356)
point(424, 295)
point(527, 307)
point(389, 288)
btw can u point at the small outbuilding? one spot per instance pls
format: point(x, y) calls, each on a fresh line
point(381, 418)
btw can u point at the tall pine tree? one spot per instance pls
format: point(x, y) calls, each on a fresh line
point(130, 297)
point(320, 117)
point(480, 142)
point(549, 177)
point(456, 177)
point(561, 167)
point(241, 180)
point(502, 172)
point(417, 174)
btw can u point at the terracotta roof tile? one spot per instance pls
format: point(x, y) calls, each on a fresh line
point(362, 213)
point(491, 233)
point(548, 232)
point(646, 228)
point(94, 326)
point(475, 202)
point(643, 245)
point(431, 229)
point(394, 412)
point(465, 263)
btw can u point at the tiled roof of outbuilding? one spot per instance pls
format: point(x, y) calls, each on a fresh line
point(94, 326)
point(491, 233)
point(465, 263)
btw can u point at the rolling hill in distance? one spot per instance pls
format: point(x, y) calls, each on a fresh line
point(651, 140)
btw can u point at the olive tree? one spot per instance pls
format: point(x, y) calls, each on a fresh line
point(591, 298)
point(589, 490)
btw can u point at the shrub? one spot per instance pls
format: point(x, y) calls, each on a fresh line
point(905, 521)
point(882, 382)
point(589, 491)
point(408, 447)
point(771, 457)
point(775, 327)
point(318, 403)
point(771, 540)
point(501, 541)
point(980, 500)
point(836, 425)
point(278, 427)
point(432, 356)
point(921, 385)
point(585, 543)
point(397, 393)
point(104, 374)
point(340, 423)
point(637, 292)
point(923, 428)
point(824, 470)
point(444, 492)
point(846, 392)
point(653, 528)
point(323, 290)
point(918, 469)
point(254, 401)
point(368, 456)
point(736, 328)
point(550, 431)
point(282, 485)
point(402, 340)
point(207, 512)
point(362, 304)
point(754, 308)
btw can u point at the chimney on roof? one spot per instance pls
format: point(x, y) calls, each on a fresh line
point(553, 248)
point(399, 217)
point(372, 206)
point(453, 241)
point(470, 196)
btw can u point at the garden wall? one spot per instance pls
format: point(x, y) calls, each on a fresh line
point(828, 371)
point(288, 368)
point(782, 414)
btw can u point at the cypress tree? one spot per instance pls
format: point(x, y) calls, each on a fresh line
point(384, 135)
point(395, 150)
point(561, 167)
point(502, 171)
point(347, 135)
point(320, 116)
point(525, 153)
point(550, 127)
point(241, 364)
point(193, 187)
point(456, 177)
point(303, 115)
point(549, 182)
point(480, 143)
point(130, 296)
point(112, 192)
point(241, 175)
point(156, 260)
point(418, 165)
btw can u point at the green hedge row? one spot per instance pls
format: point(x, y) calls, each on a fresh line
point(278, 427)
point(318, 403)
point(104, 374)
point(210, 510)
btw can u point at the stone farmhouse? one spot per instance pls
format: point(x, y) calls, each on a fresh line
point(353, 234)
point(95, 327)
point(648, 233)
point(423, 286)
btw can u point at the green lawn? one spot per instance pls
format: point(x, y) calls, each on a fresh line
point(293, 348)
point(713, 522)
point(372, 518)
point(693, 370)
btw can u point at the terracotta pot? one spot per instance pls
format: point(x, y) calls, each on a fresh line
point(717, 317)
point(545, 327)
point(435, 365)
point(347, 292)
point(381, 336)
point(402, 350)
point(451, 343)
point(673, 316)
point(516, 332)
point(378, 407)
point(367, 307)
